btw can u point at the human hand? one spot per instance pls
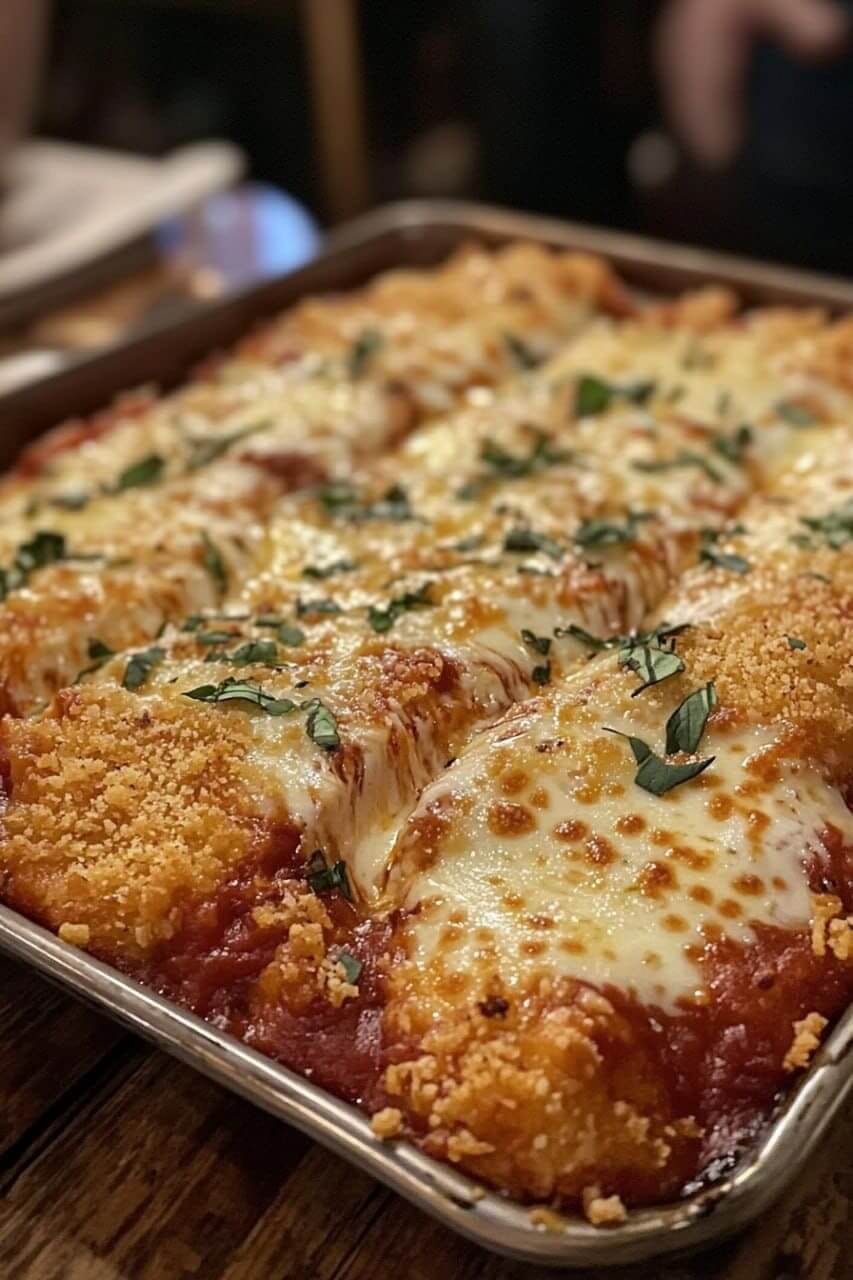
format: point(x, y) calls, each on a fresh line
point(702, 54)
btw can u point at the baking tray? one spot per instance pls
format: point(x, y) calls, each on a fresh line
point(420, 234)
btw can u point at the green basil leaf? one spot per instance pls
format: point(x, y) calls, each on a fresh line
point(794, 642)
point(323, 878)
point(651, 662)
point(290, 635)
point(324, 606)
point(234, 690)
point(541, 675)
point(795, 414)
point(521, 540)
point(836, 527)
point(352, 968)
point(383, 617)
point(541, 644)
point(685, 726)
point(321, 725)
point(363, 350)
point(139, 667)
point(522, 355)
point(146, 471)
point(213, 561)
point(260, 652)
point(593, 394)
point(733, 447)
point(684, 458)
point(319, 572)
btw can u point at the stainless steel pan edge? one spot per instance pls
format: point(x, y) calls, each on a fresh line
point(457, 1201)
point(422, 232)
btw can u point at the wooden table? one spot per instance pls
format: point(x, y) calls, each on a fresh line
point(117, 1162)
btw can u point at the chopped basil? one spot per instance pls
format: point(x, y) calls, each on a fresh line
point(598, 532)
point(655, 775)
point(324, 878)
point(234, 690)
point(98, 653)
point(290, 635)
point(710, 554)
point(260, 652)
point(795, 414)
point(268, 620)
point(504, 465)
point(321, 725)
point(594, 395)
point(352, 968)
point(574, 632)
point(523, 357)
point(44, 548)
point(522, 539)
point(319, 572)
point(325, 606)
point(343, 501)
point(733, 447)
point(147, 470)
point(685, 726)
point(213, 561)
point(363, 350)
point(684, 458)
point(214, 637)
point(139, 667)
point(541, 644)
point(542, 674)
point(652, 661)
point(208, 448)
point(382, 618)
point(794, 642)
point(836, 526)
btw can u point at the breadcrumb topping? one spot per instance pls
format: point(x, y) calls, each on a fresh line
point(807, 1033)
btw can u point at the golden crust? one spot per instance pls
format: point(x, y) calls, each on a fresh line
point(173, 836)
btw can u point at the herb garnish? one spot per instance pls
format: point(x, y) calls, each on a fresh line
point(685, 726)
point(521, 539)
point(363, 350)
point(710, 554)
point(319, 572)
point(325, 606)
point(352, 968)
point(684, 458)
point(321, 725)
point(70, 501)
point(541, 674)
point(147, 470)
point(733, 447)
point(260, 652)
point(836, 526)
point(44, 548)
point(383, 617)
point(213, 561)
point(655, 775)
point(139, 667)
point(796, 414)
point(794, 642)
point(234, 690)
point(324, 878)
point(98, 653)
point(504, 465)
point(541, 644)
point(206, 449)
point(652, 658)
point(342, 500)
point(593, 395)
point(523, 357)
point(599, 532)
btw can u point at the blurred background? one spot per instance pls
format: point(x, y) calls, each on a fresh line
point(726, 123)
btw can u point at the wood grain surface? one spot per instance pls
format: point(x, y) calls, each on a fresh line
point(117, 1163)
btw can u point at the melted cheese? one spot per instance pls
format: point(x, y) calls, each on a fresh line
point(552, 861)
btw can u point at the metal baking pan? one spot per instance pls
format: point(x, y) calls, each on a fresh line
point(422, 233)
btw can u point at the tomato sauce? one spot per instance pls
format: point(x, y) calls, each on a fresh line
point(213, 963)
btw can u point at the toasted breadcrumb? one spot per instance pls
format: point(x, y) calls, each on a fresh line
point(807, 1032)
point(387, 1123)
point(602, 1211)
point(825, 907)
point(841, 938)
point(76, 934)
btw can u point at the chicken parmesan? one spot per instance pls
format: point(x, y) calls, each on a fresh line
point(449, 692)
